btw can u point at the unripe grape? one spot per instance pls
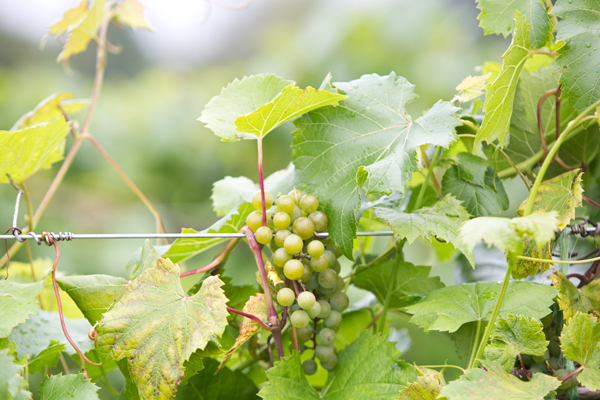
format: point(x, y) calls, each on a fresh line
point(331, 258)
point(527, 359)
point(334, 320)
point(304, 228)
point(285, 297)
point(554, 346)
point(327, 336)
point(280, 257)
point(304, 334)
point(330, 364)
point(280, 236)
point(314, 311)
point(339, 284)
point(554, 362)
point(327, 292)
point(285, 204)
point(325, 309)
point(293, 308)
point(296, 213)
point(312, 283)
point(535, 368)
point(561, 374)
point(263, 235)
point(542, 358)
point(336, 252)
point(327, 279)
point(324, 352)
point(257, 200)
point(293, 244)
point(309, 203)
point(315, 248)
point(319, 264)
point(307, 273)
point(254, 220)
point(339, 301)
point(299, 319)
point(296, 195)
point(335, 266)
point(309, 366)
point(281, 220)
point(306, 300)
point(293, 270)
point(270, 215)
point(320, 220)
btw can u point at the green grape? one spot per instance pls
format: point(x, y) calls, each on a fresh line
point(314, 311)
point(263, 235)
point(280, 236)
point(339, 284)
point(335, 266)
point(286, 297)
point(280, 257)
point(331, 258)
point(562, 374)
point(306, 300)
point(554, 363)
point(333, 320)
point(293, 270)
point(254, 220)
point(309, 366)
point(312, 283)
point(541, 359)
point(296, 195)
point(270, 214)
point(296, 213)
point(309, 203)
point(307, 273)
point(304, 228)
point(257, 200)
point(281, 220)
point(324, 352)
point(328, 279)
point(327, 336)
point(339, 301)
point(554, 346)
point(327, 292)
point(293, 244)
point(325, 309)
point(330, 364)
point(319, 264)
point(527, 359)
point(535, 368)
point(320, 220)
point(336, 252)
point(285, 204)
point(304, 334)
point(299, 319)
point(315, 249)
point(293, 308)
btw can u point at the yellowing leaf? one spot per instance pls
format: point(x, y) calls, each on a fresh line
point(580, 342)
point(427, 387)
point(81, 34)
point(24, 152)
point(70, 18)
point(131, 13)
point(572, 300)
point(525, 268)
point(472, 87)
point(48, 110)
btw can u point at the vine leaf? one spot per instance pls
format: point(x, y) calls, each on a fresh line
point(47, 357)
point(580, 342)
point(26, 151)
point(195, 364)
point(59, 387)
point(368, 368)
point(472, 181)
point(500, 94)
point(464, 339)
point(447, 309)
point(525, 268)
point(48, 110)
point(131, 13)
point(514, 335)
point(146, 258)
point(93, 294)
point(17, 302)
point(257, 306)
point(70, 17)
point(472, 87)
point(443, 221)
point(291, 103)
point(498, 384)
point(83, 31)
point(497, 17)
point(240, 97)
point(367, 140)
point(427, 387)
point(579, 27)
point(182, 249)
point(157, 327)
point(572, 300)
point(12, 384)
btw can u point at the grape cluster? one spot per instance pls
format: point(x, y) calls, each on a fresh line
point(310, 265)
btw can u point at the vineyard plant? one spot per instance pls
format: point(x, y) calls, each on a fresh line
point(361, 164)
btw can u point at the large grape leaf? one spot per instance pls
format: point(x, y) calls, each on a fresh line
point(93, 294)
point(514, 335)
point(28, 150)
point(448, 308)
point(580, 342)
point(47, 357)
point(497, 16)
point(60, 387)
point(48, 110)
point(500, 94)
point(367, 140)
point(442, 221)
point(497, 384)
point(83, 31)
point(131, 13)
point(465, 338)
point(157, 327)
point(12, 384)
point(70, 18)
point(368, 368)
point(17, 302)
point(579, 27)
point(572, 300)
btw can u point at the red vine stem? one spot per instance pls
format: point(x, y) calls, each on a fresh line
point(250, 316)
point(220, 259)
point(592, 202)
point(296, 288)
point(578, 370)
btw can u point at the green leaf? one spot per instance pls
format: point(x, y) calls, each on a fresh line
point(59, 387)
point(368, 368)
point(83, 31)
point(12, 384)
point(70, 17)
point(472, 87)
point(572, 300)
point(195, 364)
point(148, 256)
point(368, 141)
point(443, 220)
point(155, 313)
point(24, 152)
point(499, 95)
point(131, 13)
point(48, 110)
point(464, 339)
point(507, 234)
point(579, 27)
point(475, 183)
point(17, 302)
point(427, 387)
point(226, 385)
point(497, 17)
point(447, 309)
point(182, 249)
point(525, 268)
point(240, 97)
point(47, 357)
point(580, 342)
point(497, 384)
point(514, 335)
point(93, 294)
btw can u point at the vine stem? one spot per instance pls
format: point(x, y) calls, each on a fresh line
point(547, 53)
point(432, 165)
point(434, 181)
point(592, 202)
point(261, 180)
point(476, 344)
point(558, 261)
point(250, 316)
point(578, 370)
point(220, 259)
point(393, 278)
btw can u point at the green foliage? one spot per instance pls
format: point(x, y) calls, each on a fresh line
point(49, 110)
point(131, 13)
point(572, 300)
point(12, 384)
point(59, 387)
point(18, 302)
point(47, 357)
point(427, 387)
point(580, 342)
point(83, 31)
